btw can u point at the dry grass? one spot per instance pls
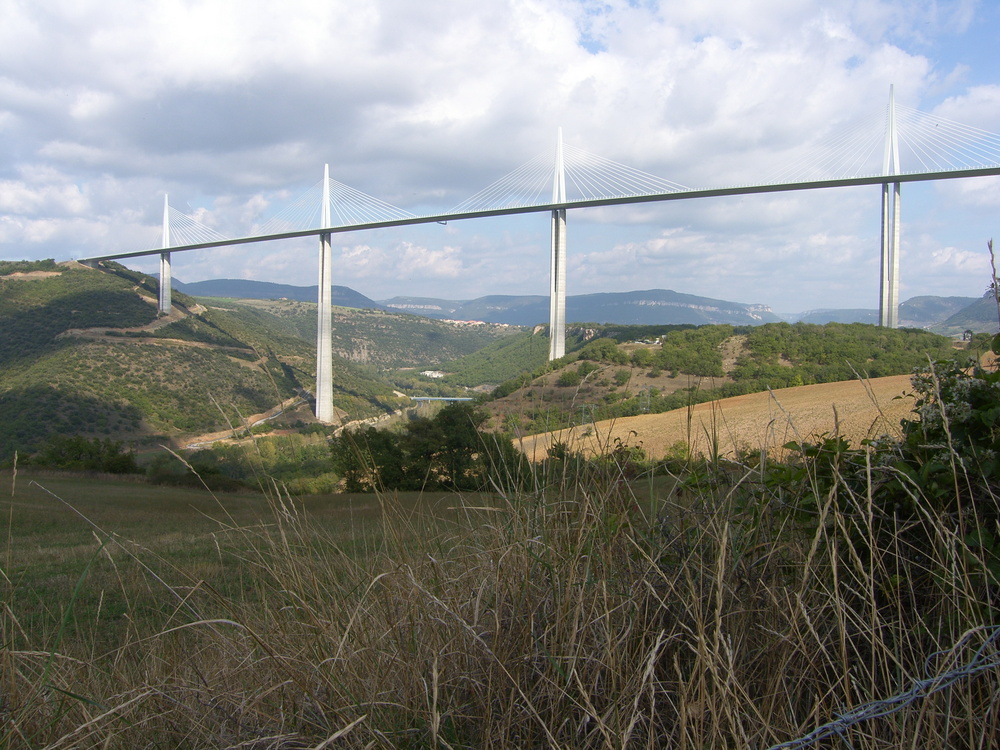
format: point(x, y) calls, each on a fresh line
point(559, 618)
point(855, 409)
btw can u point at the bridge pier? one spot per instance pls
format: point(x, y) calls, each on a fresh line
point(888, 309)
point(324, 323)
point(888, 305)
point(165, 282)
point(557, 268)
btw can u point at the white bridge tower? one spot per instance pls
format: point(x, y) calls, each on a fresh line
point(165, 282)
point(557, 271)
point(888, 303)
point(324, 323)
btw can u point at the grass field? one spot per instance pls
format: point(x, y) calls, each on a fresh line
point(590, 610)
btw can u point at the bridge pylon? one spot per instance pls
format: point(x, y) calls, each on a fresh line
point(165, 281)
point(888, 305)
point(557, 270)
point(324, 323)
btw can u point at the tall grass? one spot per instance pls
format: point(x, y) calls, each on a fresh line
point(738, 615)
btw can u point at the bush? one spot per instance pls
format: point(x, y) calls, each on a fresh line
point(75, 453)
point(569, 378)
point(447, 452)
point(901, 500)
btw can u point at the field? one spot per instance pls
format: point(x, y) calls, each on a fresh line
point(855, 409)
point(831, 598)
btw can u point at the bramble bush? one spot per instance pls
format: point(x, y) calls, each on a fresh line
point(897, 495)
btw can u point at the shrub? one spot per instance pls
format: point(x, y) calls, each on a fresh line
point(902, 500)
point(76, 453)
point(569, 378)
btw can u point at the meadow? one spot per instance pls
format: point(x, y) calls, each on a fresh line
point(830, 599)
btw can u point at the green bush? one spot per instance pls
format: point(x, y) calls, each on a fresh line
point(76, 453)
point(449, 451)
point(898, 495)
point(569, 378)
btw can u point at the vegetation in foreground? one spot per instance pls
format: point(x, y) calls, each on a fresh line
point(833, 595)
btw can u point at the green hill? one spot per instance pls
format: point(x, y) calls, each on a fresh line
point(979, 317)
point(84, 352)
point(499, 361)
point(605, 378)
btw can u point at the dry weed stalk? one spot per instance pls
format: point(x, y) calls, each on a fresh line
point(553, 618)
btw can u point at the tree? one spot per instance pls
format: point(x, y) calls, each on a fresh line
point(443, 451)
point(368, 460)
point(77, 453)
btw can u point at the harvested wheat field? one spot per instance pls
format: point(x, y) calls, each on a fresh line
point(856, 409)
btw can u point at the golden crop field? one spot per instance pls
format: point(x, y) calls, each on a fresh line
point(856, 409)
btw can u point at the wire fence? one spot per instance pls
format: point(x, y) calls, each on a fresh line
point(985, 658)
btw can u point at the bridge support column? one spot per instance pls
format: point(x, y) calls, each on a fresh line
point(888, 304)
point(324, 323)
point(888, 309)
point(165, 282)
point(557, 268)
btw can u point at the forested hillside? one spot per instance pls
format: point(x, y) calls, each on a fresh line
point(84, 352)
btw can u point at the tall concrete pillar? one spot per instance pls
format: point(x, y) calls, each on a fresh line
point(888, 308)
point(324, 323)
point(557, 268)
point(165, 282)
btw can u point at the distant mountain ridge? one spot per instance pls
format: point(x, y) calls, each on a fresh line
point(916, 312)
point(649, 307)
point(248, 289)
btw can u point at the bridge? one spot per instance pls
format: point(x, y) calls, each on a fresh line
point(867, 154)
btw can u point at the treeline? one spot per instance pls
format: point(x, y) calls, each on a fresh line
point(8, 267)
point(447, 452)
point(299, 463)
point(783, 354)
point(450, 451)
point(77, 453)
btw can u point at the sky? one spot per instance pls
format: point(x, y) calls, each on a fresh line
point(233, 107)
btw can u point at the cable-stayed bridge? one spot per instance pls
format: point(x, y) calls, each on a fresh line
point(898, 145)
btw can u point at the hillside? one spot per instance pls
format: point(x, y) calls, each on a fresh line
point(980, 316)
point(606, 379)
point(247, 289)
point(84, 353)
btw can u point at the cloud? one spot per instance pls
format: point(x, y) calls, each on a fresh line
point(232, 109)
point(403, 261)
